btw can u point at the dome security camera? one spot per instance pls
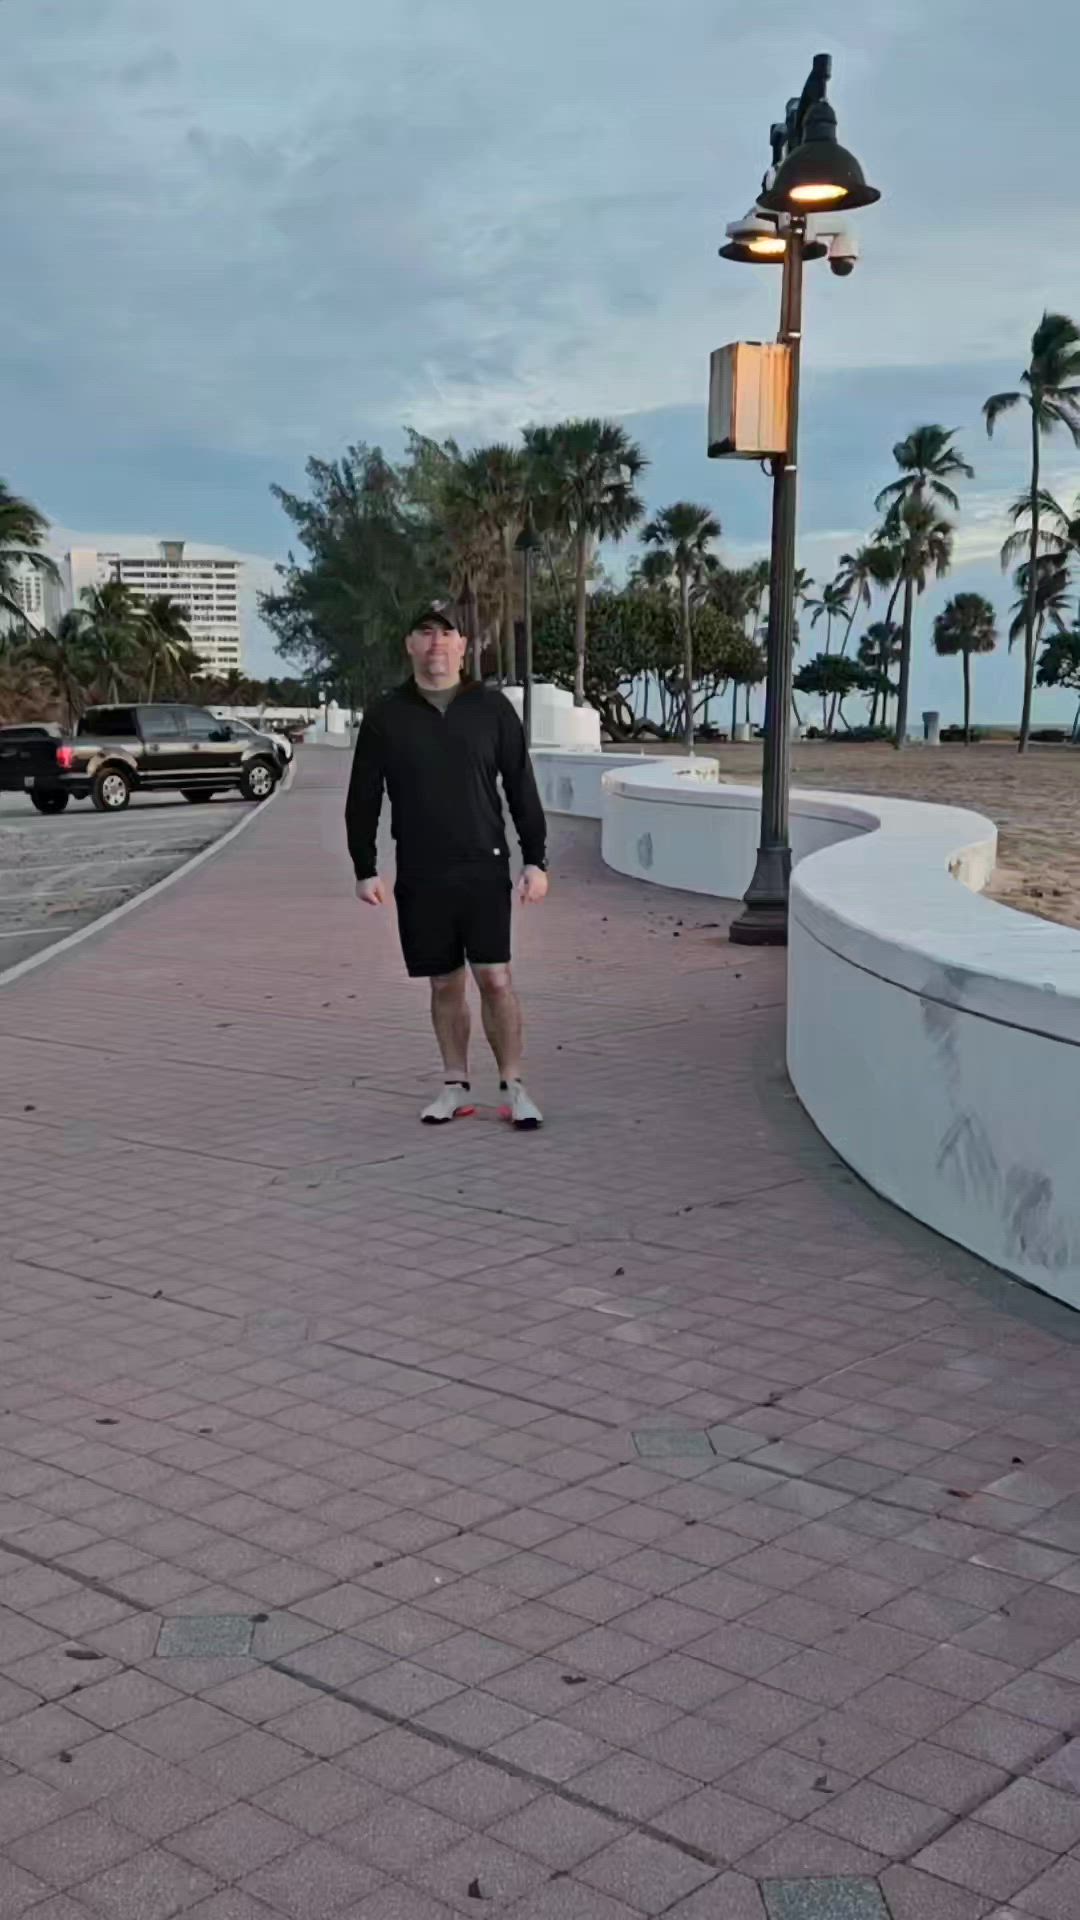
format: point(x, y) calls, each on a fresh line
point(843, 254)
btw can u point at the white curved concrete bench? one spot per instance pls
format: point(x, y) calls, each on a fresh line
point(933, 1036)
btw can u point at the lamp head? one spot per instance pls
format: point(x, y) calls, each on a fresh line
point(819, 175)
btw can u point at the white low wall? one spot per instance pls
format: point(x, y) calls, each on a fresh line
point(933, 1036)
point(556, 722)
point(676, 823)
point(570, 782)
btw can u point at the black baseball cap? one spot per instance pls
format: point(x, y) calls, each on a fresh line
point(435, 613)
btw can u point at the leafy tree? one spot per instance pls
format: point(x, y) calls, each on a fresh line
point(112, 629)
point(967, 625)
point(928, 461)
point(1052, 597)
point(164, 638)
point(493, 479)
point(914, 530)
point(22, 535)
point(870, 566)
point(582, 477)
point(833, 678)
point(684, 534)
point(370, 554)
point(1050, 389)
point(1059, 665)
point(744, 665)
point(831, 604)
point(64, 661)
point(923, 545)
point(879, 651)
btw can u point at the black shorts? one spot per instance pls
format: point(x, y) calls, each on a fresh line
point(453, 918)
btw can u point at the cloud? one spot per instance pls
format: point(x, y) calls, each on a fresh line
point(268, 228)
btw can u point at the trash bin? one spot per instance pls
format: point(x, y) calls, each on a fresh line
point(931, 726)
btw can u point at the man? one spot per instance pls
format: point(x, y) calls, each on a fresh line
point(440, 747)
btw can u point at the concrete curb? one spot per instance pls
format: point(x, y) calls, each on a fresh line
point(70, 940)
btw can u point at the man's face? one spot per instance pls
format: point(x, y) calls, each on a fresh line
point(437, 654)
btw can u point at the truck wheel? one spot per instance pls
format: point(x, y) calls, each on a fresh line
point(111, 790)
point(50, 802)
point(259, 780)
point(196, 794)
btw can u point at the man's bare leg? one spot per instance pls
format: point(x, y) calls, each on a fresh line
point(450, 1019)
point(500, 1010)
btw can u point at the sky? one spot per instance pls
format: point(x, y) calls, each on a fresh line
point(236, 234)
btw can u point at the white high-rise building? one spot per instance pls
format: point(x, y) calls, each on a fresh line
point(35, 592)
point(205, 585)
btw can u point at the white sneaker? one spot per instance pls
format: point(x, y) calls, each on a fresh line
point(521, 1110)
point(452, 1103)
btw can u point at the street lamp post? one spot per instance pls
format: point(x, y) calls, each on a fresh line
point(810, 173)
point(527, 542)
point(764, 919)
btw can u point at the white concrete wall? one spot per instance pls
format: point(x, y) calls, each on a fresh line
point(556, 722)
point(933, 1036)
point(676, 823)
point(570, 782)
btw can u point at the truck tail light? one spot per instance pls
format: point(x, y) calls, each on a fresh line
point(65, 758)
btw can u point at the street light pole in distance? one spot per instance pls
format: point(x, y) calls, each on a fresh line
point(810, 174)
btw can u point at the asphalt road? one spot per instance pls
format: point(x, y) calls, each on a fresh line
point(59, 872)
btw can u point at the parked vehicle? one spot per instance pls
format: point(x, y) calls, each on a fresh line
point(118, 751)
point(280, 740)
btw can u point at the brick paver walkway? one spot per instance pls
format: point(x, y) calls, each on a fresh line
point(633, 1519)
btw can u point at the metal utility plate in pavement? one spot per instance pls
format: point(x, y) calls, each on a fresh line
point(206, 1636)
point(824, 1900)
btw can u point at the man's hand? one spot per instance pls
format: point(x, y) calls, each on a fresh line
point(371, 892)
point(533, 886)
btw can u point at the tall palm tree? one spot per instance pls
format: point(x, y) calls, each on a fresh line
point(62, 658)
point(1050, 388)
point(475, 562)
point(928, 461)
point(831, 604)
point(163, 638)
point(967, 625)
point(1052, 597)
point(870, 565)
point(582, 477)
point(684, 534)
point(497, 477)
point(924, 541)
point(879, 652)
point(22, 534)
point(113, 617)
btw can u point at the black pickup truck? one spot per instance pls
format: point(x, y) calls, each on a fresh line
point(118, 751)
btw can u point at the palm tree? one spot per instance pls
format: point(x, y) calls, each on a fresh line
point(684, 534)
point(871, 565)
point(879, 651)
point(163, 639)
point(831, 604)
point(63, 659)
point(495, 477)
point(967, 625)
point(924, 541)
point(474, 558)
point(22, 533)
point(1052, 602)
point(928, 461)
point(1050, 388)
point(582, 481)
point(113, 618)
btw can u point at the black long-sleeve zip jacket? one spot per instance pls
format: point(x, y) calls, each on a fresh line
point(442, 773)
